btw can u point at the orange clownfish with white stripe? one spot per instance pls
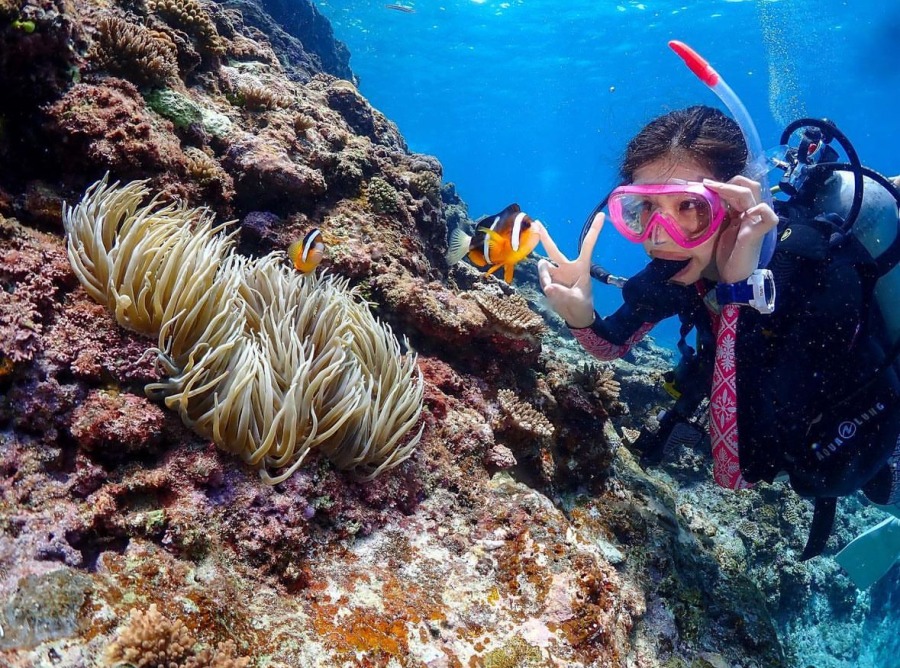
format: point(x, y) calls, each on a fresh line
point(307, 253)
point(501, 240)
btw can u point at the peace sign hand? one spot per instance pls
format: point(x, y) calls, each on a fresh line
point(567, 283)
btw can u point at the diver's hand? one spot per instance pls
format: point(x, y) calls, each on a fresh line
point(741, 238)
point(567, 283)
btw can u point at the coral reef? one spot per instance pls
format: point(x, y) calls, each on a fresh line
point(518, 531)
point(107, 128)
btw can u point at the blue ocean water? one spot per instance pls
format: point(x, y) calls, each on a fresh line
point(533, 101)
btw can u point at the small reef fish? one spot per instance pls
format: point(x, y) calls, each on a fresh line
point(501, 240)
point(306, 253)
point(406, 9)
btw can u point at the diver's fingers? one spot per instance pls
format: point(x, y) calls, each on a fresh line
point(761, 215)
point(738, 197)
point(544, 274)
point(747, 182)
point(590, 239)
point(550, 246)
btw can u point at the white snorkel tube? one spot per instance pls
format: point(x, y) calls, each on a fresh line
point(756, 161)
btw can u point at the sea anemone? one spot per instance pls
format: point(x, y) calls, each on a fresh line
point(268, 363)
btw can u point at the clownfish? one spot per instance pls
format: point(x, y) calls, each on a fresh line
point(502, 240)
point(306, 253)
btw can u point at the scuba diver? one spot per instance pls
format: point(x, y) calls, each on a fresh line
point(804, 388)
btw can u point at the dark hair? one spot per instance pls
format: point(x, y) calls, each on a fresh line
point(701, 133)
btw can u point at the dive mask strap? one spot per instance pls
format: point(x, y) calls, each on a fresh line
point(757, 291)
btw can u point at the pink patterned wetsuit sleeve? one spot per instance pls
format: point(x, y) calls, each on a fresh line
point(723, 428)
point(602, 349)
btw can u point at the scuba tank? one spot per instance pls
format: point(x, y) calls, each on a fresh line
point(866, 202)
point(876, 227)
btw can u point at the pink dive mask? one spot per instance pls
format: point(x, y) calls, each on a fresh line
point(690, 212)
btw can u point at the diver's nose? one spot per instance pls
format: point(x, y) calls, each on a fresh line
point(659, 235)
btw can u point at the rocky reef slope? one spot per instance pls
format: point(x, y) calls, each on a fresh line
point(520, 532)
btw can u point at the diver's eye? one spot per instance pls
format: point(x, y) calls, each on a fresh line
point(636, 211)
point(641, 207)
point(689, 205)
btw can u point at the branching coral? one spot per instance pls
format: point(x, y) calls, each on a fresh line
point(151, 640)
point(511, 315)
point(599, 381)
point(131, 50)
point(522, 416)
point(268, 363)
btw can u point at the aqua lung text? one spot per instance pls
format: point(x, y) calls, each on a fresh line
point(846, 431)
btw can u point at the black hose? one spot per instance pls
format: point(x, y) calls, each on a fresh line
point(830, 131)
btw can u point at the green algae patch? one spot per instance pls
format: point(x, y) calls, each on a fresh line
point(184, 112)
point(178, 108)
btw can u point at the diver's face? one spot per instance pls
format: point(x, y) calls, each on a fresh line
point(660, 244)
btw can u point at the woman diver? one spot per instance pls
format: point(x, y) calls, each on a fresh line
point(800, 389)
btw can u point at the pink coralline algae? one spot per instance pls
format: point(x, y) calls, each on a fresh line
point(33, 271)
point(107, 127)
point(267, 177)
point(85, 340)
point(117, 424)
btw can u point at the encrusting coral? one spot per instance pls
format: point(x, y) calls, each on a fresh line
point(268, 363)
point(150, 640)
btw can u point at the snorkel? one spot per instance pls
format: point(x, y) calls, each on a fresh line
point(756, 160)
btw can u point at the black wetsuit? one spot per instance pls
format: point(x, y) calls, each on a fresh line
point(796, 367)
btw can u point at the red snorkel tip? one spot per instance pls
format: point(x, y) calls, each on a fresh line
point(695, 63)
